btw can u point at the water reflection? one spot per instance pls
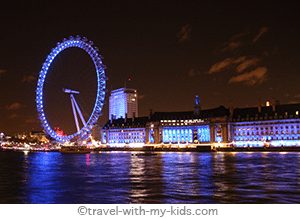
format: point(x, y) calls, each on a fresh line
point(225, 178)
point(145, 178)
point(12, 180)
point(171, 177)
point(183, 176)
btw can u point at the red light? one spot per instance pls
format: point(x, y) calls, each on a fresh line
point(57, 130)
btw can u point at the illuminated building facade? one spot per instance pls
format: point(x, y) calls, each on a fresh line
point(273, 125)
point(122, 132)
point(270, 125)
point(164, 127)
point(123, 103)
point(194, 127)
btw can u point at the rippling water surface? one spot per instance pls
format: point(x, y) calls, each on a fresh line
point(172, 177)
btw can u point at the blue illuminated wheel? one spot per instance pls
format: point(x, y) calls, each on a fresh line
point(71, 82)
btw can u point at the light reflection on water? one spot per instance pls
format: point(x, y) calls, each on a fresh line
point(170, 177)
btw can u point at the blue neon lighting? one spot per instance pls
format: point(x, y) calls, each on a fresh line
point(285, 133)
point(151, 136)
point(122, 136)
point(185, 134)
point(101, 78)
point(203, 133)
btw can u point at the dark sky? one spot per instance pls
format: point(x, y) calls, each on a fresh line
point(171, 50)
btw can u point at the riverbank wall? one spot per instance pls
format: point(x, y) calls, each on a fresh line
point(206, 148)
point(202, 149)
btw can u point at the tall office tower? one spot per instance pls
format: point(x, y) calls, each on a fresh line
point(123, 102)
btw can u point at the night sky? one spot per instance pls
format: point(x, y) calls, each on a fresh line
point(170, 50)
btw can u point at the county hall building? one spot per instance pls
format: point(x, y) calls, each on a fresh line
point(269, 125)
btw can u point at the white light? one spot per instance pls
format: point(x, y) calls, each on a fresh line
point(136, 145)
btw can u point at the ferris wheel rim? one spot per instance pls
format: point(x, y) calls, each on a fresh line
point(87, 46)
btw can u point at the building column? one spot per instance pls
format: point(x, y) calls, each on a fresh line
point(224, 132)
point(147, 135)
point(212, 133)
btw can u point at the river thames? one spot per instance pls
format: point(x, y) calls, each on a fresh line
point(163, 178)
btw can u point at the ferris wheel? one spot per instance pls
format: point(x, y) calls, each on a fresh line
point(71, 90)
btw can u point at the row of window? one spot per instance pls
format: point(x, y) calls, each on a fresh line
point(125, 137)
point(202, 134)
point(266, 128)
point(267, 133)
point(259, 131)
point(184, 121)
point(125, 134)
point(177, 135)
point(133, 139)
point(269, 138)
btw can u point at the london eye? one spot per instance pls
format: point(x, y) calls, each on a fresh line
point(71, 90)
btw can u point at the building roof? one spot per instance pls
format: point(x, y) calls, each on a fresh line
point(121, 122)
point(216, 112)
point(285, 110)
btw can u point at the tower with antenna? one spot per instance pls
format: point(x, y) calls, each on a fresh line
point(197, 106)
